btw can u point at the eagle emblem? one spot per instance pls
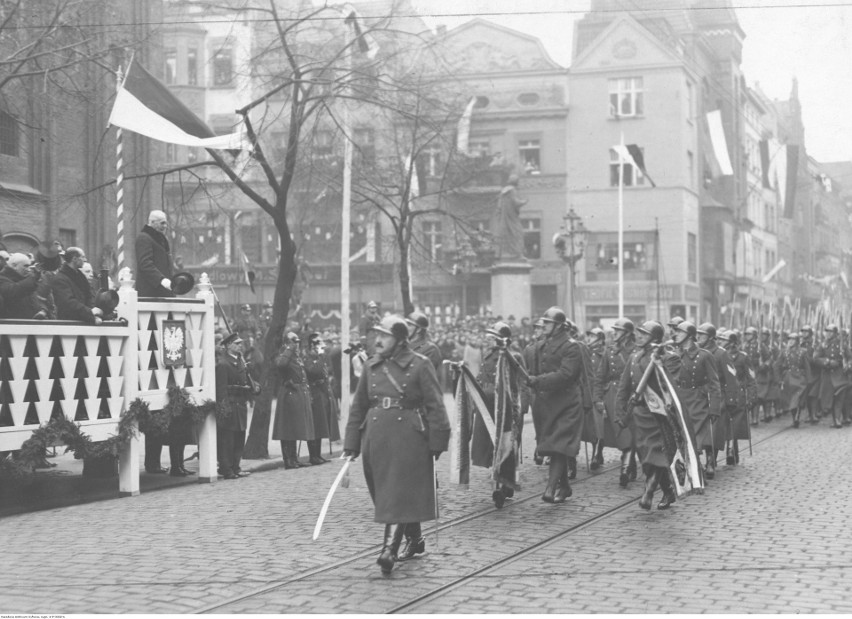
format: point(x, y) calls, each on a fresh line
point(174, 343)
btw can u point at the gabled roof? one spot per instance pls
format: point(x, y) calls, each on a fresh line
point(606, 36)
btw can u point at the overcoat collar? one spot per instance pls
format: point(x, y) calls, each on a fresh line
point(403, 357)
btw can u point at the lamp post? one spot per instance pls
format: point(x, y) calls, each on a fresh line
point(570, 245)
point(464, 263)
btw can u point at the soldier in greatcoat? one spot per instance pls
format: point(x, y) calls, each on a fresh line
point(593, 428)
point(294, 419)
point(482, 448)
point(648, 428)
point(806, 341)
point(729, 389)
point(793, 369)
point(698, 389)
point(419, 340)
point(323, 403)
point(557, 403)
point(832, 379)
point(607, 378)
point(400, 426)
point(735, 418)
point(529, 355)
point(234, 389)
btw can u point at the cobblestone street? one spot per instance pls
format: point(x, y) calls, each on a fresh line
point(768, 535)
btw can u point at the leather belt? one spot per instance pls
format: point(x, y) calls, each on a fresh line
point(388, 402)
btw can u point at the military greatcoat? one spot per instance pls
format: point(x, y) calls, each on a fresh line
point(736, 423)
point(294, 420)
point(396, 421)
point(558, 400)
point(587, 384)
point(607, 378)
point(729, 389)
point(323, 404)
point(700, 396)
point(793, 368)
point(829, 358)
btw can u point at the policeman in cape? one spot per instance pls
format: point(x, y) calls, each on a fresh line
point(608, 375)
point(399, 425)
point(648, 428)
point(419, 340)
point(699, 391)
point(482, 448)
point(558, 402)
point(832, 380)
point(735, 418)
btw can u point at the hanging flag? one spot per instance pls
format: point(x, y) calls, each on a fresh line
point(792, 178)
point(463, 131)
point(764, 163)
point(720, 144)
point(248, 272)
point(145, 106)
point(632, 154)
point(781, 264)
point(366, 44)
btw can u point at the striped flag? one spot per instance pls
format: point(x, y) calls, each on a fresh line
point(248, 272)
point(632, 154)
point(366, 44)
point(463, 131)
point(145, 106)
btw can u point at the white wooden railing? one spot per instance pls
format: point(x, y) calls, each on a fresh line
point(90, 374)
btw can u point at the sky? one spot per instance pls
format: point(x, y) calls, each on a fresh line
point(807, 39)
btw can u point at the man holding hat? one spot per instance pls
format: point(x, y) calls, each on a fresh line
point(153, 258)
point(233, 390)
point(72, 291)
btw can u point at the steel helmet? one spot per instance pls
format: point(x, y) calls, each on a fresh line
point(750, 331)
point(707, 328)
point(653, 329)
point(393, 325)
point(555, 315)
point(500, 329)
point(687, 327)
point(418, 319)
point(596, 333)
point(732, 337)
point(623, 324)
point(675, 321)
point(831, 327)
point(766, 331)
point(808, 329)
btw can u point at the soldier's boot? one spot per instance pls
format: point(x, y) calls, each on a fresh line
point(835, 415)
point(538, 459)
point(729, 453)
point(314, 451)
point(390, 546)
point(736, 452)
point(710, 466)
point(288, 453)
point(415, 544)
point(753, 415)
point(632, 467)
point(796, 412)
point(625, 465)
point(666, 485)
point(597, 457)
point(563, 489)
point(554, 476)
point(572, 467)
point(652, 480)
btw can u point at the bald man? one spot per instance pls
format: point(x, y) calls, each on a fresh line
point(153, 258)
point(18, 285)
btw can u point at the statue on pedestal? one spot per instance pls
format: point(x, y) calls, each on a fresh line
point(508, 232)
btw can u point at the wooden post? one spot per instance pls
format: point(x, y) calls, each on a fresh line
point(128, 459)
point(207, 455)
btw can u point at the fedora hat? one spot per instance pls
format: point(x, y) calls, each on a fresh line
point(106, 301)
point(47, 257)
point(182, 282)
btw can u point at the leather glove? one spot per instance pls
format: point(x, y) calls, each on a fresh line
point(350, 453)
point(621, 423)
point(166, 283)
point(435, 454)
point(599, 407)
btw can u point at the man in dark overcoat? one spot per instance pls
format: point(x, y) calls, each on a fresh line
point(19, 281)
point(419, 340)
point(832, 379)
point(648, 428)
point(72, 291)
point(153, 258)
point(529, 355)
point(607, 377)
point(699, 391)
point(399, 424)
point(587, 379)
point(557, 403)
point(323, 403)
point(233, 391)
point(735, 418)
point(806, 341)
point(294, 418)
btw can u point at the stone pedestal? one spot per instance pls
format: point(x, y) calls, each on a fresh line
point(510, 289)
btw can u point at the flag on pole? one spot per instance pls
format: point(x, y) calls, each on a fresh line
point(720, 144)
point(632, 154)
point(780, 265)
point(366, 44)
point(145, 106)
point(463, 131)
point(248, 272)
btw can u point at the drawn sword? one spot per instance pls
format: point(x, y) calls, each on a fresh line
point(330, 494)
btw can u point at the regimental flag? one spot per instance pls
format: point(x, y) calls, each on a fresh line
point(145, 106)
point(632, 154)
point(366, 44)
point(463, 130)
point(248, 272)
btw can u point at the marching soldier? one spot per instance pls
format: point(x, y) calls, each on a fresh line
point(294, 419)
point(529, 355)
point(829, 359)
point(806, 341)
point(482, 449)
point(735, 418)
point(399, 423)
point(587, 379)
point(323, 403)
point(593, 425)
point(419, 341)
point(558, 402)
point(793, 369)
point(651, 442)
point(698, 389)
point(607, 378)
point(751, 347)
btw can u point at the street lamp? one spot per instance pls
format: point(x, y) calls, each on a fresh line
point(570, 245)
point(463, 265)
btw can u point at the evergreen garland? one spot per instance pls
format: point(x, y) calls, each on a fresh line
point(19, 468)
